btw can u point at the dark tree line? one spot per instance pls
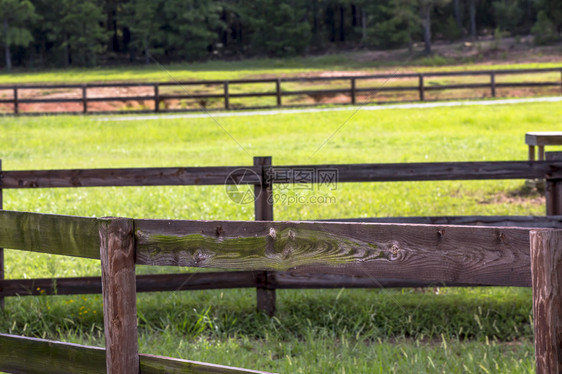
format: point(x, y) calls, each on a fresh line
point(92, 32)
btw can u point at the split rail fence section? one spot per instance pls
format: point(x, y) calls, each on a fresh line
point(263, 176)
point(502, 256)
point(277, 92)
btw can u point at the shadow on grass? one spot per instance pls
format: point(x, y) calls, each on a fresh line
point(499, 313)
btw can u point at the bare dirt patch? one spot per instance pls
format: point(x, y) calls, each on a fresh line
point(531, 193)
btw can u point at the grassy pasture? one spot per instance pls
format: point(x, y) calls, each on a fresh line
point(335, 65)
point(315, 331)
point(251, 68)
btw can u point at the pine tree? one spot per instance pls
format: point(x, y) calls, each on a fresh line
point(190, 26)
point(15, 16)
point(76, 28)
point(142, 18)
point(278, 27)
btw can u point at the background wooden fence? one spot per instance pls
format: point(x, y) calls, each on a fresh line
point(502, 256)
point(263, 178)
point(277, 91)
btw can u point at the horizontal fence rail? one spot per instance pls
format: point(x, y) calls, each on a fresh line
point(263, 176)
point(20, 354)
point(47, 233)
point(277, 90)
point(471, 255)
point(184, 176)
point(259, 174)
point(276, 279)
point(507, 221)
point(218, 280)
point(495, 256)
point(498, 256)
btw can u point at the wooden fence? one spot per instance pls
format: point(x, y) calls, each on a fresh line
point(111, 241)
point(502, 256)
point(262, 175)
point(353, 91)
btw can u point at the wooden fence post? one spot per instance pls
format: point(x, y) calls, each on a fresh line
point(531, 153)
point(16, 104)
point(546, 262)
point(353, 92)
point(117, 254)
point(263, 207)
point(553, 189)
point(493, 84)
point(84, 99)
point(422, 93)
point(156, 97)
point(1, 249)
point(226, 98)
point(278, 91)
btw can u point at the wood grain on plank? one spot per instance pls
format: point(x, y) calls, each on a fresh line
point(182, 176)
point(544, 138)
point(212, 281)
point(553, 187)
point(466, 254)
point(20, 354)
point(151, 364)
point(428, 171)
point(145, 283)
point(512, 221)
point(546, 262)
point(117, 253)
point(300, 280)
point(49, 233)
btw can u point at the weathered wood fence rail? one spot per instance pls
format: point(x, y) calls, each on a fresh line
point(277, 91)
point(502, 256)
point(263, 175)
point(111, 240)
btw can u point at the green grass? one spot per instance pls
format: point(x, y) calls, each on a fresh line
point(315, 331)
point(251, 68)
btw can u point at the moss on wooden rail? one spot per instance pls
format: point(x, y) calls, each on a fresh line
point(472, 255)
point(280, 249)
point(49, 233)
point(20, 354)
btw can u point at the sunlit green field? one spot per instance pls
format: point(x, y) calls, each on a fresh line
point(314, 331)
point(252, 68)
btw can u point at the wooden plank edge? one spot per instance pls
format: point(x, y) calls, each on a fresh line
point(182, 176)
point(21, 354)
point(50, 233)
point(290, 280)
point(145, 283)
point(129, 177)
point(208, 281)
point(503, 221)
point(466, 254)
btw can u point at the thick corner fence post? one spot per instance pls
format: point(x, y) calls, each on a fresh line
point(546, 263)
point(117, 254)
point(263, 206)
point(553, 189)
